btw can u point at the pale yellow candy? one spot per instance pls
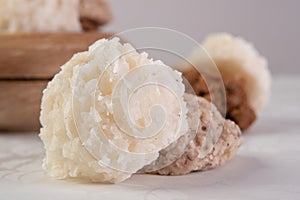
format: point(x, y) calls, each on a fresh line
point(39, 16)
point(87, 131)
point(238, 58)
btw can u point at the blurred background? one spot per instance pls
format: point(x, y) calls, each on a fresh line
point(271, 25)
point(29, 61)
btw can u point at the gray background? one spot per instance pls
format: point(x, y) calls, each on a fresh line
point(271, 25)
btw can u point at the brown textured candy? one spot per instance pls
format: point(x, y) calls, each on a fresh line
point(94, 13)
point(238, 107)
point(224, 149)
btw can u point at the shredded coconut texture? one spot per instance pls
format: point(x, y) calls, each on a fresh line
point(39, 16)
point(224, 149)
point(75, 146)
point(199, 115)
point(237, 58)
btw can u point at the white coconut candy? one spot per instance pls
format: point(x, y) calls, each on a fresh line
point(109, 112)
point(39, 16)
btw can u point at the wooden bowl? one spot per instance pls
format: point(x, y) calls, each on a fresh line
point(27, 63)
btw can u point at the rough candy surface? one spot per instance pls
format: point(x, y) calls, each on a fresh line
point(224, 149)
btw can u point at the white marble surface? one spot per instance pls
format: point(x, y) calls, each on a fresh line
point(266, 167)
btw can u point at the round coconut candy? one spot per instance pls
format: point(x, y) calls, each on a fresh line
point(226, 133)
point(238, 59)
point(91, 127)
point(53, 16)
point(39, 16)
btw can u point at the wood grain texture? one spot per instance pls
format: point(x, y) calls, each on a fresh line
point(20, 105)
point(39, 56)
